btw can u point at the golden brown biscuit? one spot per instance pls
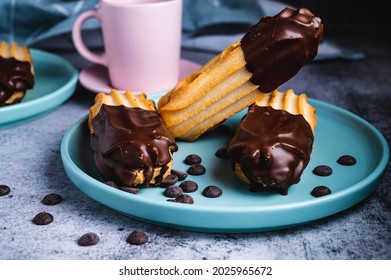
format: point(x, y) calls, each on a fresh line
point(16, 73)
point(131, 144)
point(272, 52)
point(273, 142)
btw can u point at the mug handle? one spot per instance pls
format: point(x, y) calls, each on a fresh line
point(78, 41)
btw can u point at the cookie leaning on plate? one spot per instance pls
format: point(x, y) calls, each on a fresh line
point(268, 55)
point(273, 142)
point(131, 144)
point(16, 73)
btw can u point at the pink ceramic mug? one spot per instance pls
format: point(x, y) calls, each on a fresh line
point(142, 40)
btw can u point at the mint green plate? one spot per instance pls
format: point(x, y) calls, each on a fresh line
point(338, 132)
point(55, 82)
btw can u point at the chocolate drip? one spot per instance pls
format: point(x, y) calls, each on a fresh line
point(130, 138)
point(277, 47)
point(15, 75)
point(272, 148)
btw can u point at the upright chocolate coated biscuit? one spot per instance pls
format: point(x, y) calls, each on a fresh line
point(271, 147)
point(16, 73)
point(273, 141)
point(131, 144)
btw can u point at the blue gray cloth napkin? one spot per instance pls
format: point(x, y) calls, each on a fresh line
point(208, 25)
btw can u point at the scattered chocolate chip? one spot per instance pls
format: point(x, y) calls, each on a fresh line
point(43, 218)
point(130, 190)
point(172, 191)
point(4, 190)
point(320, 191)
point(347, 160)
point(192, 159)
point(137, 237)
point(88, 239)
point(212, 191)
point(222, 153)
point(170, 180)
point(52, 199)
point(189, 186)
point(224, 130)
point(112, 184)
point(184, 198)
point(196, 169)
point(322, 170)
point(180, 174)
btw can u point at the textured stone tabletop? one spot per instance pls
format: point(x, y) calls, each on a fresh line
point(31, 166)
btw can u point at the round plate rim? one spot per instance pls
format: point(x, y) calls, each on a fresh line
point(31, 108)
point(366, 183)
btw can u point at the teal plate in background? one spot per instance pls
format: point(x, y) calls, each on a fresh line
point(55, 82)
point(338, 132)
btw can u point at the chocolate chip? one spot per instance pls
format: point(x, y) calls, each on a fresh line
point(189, 186)
point(4, 190)
point(170, 180)
point(192, 159)
point(173, 191)
point(347, 160)
point(184, 198)
point(196, 170)
point(212, 191)
point(88, 239)
point(43, 218)
point(322, 170)
point(222, 153)
point(52, 199)
point(112, 184)
point(180, 174)
point(320, 191)
point(137, 237)
point(130, 190)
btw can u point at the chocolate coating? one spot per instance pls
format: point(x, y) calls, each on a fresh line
point(15, 75)
point(272, 148)
point(277, 47)
point(130, 138)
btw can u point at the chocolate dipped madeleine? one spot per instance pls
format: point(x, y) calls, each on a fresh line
point(16, 73)
point(268, 55)
point(131, 144)
point(273, 142)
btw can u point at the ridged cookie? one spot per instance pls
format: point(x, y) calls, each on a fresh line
point(271, 53)
point(16, 73)
point(273, 142)
point(131, 144)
